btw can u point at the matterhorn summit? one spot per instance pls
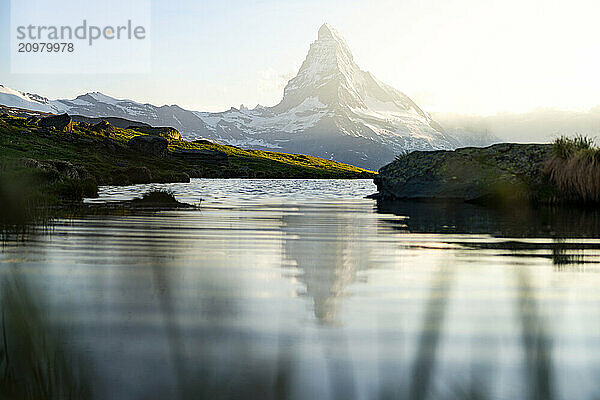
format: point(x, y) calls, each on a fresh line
point(333, 109)
point(328, 66)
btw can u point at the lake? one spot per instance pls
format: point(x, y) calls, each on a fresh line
point(306, 289)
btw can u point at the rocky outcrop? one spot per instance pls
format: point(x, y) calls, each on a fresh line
point(501, 172)
point(58, 170)
point(104, 128)
point(163, 131)
point(62, 123)
point(155, 146)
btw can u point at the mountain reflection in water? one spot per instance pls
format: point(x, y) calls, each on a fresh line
point(303, 289)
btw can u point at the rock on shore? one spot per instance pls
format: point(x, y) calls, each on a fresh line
point(506, 171)
point(62, 123)
point(155, 146)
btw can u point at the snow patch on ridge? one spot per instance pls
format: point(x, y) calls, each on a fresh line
point(260, 120)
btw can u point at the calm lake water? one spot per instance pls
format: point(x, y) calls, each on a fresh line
point(305, 289)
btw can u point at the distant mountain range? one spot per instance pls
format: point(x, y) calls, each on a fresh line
point(331, 109)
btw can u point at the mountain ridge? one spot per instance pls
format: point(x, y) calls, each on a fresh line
point(330, 109)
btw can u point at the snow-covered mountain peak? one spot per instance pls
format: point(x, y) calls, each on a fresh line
point(330, 74)
point(327, 73)
point(329, 53)
point(325, 30)
point(93, 97)
point(328, 34)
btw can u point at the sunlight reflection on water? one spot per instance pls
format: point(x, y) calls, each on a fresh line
point(248, 191)
point(305, 289)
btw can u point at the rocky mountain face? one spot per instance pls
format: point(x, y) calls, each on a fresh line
point(331, 109)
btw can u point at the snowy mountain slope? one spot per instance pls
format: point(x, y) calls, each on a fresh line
point(330, 109)
point(96, 104)
point(13, 98)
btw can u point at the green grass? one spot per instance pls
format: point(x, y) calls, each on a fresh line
point(575, 169)
point(282, 164)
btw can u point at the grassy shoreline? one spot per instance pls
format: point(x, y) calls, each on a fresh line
point(109, 159)
point(44, 168)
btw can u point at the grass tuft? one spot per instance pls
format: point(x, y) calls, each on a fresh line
point(575, 168)
point(565, 147)
point(160, 196)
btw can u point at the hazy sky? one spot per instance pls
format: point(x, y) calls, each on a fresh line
point(469, 56)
